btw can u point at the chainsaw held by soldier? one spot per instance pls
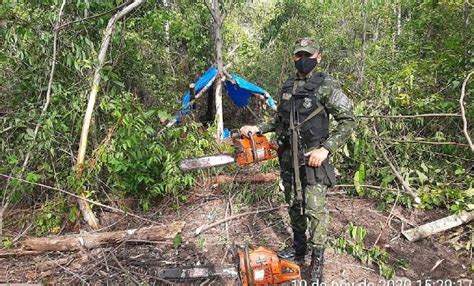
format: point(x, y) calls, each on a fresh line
point(249, 149)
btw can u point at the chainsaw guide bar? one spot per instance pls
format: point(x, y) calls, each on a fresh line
point(255, 148)
point(205, 162)
point(198, 272)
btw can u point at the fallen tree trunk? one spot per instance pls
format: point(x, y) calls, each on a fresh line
point(95, 240)
point(439, 225)
point(256, 178)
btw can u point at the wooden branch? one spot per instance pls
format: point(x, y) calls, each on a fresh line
point(86, 211)
point(95, 240)
point(204, 228)
point(220, 68)
point(257, 178)
point(192, 90)
point(389, 219)
point(205, 88)
point(18, 252)
point(210, 10)
point(397, 174)
point(423, 142)
point(63, 26)
point(439, 225)
point(219, 110)
point(367, 186)
point(6, 129)
point(463, 112)
point(436, 265)
point(124, 270)
point(228, 76)
point(412, 116)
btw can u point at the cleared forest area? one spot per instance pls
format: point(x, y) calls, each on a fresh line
point(100, 101)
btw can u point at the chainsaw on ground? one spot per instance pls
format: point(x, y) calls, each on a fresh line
point(251, 149)
point(260, 266)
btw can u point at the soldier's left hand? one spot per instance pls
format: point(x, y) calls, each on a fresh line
point(317, 156)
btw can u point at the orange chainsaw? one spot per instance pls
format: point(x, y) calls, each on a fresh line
point(251, 149)
point(260, 266)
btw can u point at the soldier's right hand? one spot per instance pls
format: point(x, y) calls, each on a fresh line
point(245, 130)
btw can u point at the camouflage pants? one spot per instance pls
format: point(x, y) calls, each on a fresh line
point(315, 211)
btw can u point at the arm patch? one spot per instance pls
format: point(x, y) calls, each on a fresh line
point(340, 101)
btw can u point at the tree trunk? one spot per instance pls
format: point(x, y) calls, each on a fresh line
point(439, 225)
point(465, 32)
point(399, 18)
point(257, 178)
point(87, 213)
point(360, 80)
point(95, 240)
point(220, 67)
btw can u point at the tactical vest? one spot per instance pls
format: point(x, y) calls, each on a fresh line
point(306, 99)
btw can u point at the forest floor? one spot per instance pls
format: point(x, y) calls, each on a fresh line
point(137, 263)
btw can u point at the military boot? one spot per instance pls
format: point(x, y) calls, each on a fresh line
point(298, 250)
point(316, 267)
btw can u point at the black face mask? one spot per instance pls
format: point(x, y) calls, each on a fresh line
point(305, 65)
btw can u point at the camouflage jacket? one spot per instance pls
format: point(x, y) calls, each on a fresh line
point(335, 102)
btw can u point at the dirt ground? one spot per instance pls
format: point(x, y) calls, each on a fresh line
point(433, 258)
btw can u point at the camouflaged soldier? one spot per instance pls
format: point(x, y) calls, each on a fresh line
point(306, 100)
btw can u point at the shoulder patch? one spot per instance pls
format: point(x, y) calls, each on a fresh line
point(339, 99)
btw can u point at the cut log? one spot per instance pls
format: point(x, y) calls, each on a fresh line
point(439, 225)
point(258, 178)
point(95, 240)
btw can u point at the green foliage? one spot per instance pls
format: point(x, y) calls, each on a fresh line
point(50, 218)
point(7, 242)
point(454, 199)
point(177, 241)
point(142, 161)
point(142, 62)
point(202, 243)
point(359, 178)
point(417, 67)
point(269, 166)
point(353, 244)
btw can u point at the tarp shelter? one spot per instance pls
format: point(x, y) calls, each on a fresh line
point(239, 90)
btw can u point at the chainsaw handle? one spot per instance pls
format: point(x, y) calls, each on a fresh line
point(254, 147)
point(289, 276)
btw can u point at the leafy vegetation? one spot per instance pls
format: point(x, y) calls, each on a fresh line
point(392, 58)
point(353, 244)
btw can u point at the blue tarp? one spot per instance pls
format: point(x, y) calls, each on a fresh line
point(239, 92)
point(206, 78)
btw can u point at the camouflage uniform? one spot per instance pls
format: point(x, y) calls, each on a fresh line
point(313, 134)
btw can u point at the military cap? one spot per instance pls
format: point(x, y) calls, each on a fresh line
point(306, 44)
